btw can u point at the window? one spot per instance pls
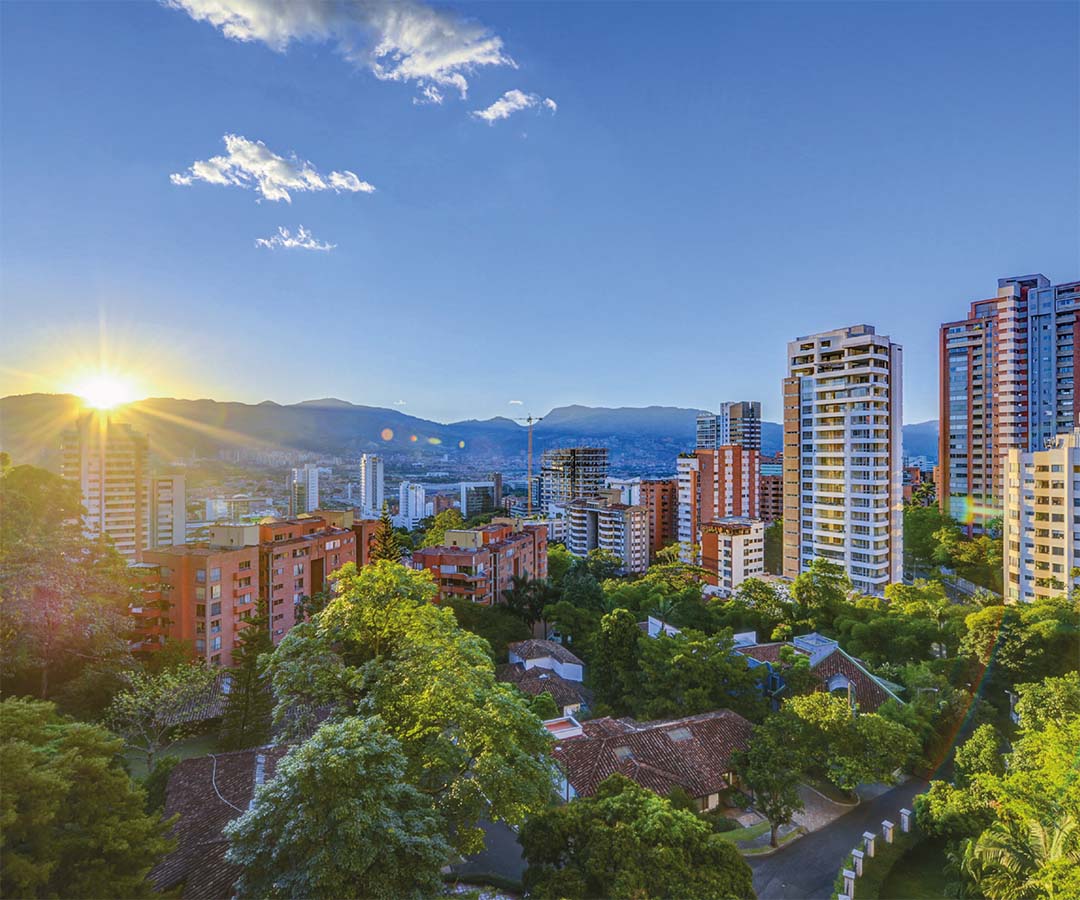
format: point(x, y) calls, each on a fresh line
point(215, 643)
point(215, 574)
point(200, 576)
point(215, 592)
point(215, 609)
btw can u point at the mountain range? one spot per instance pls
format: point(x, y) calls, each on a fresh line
point(640, 438)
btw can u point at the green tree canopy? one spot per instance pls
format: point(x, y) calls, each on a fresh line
point(471, 744)
point(387, 544)
point(72, 824)
point(627, 842)
point(339, 820)
point(614, 664)
point(772, 766)
point(250, 703)
point(435, 536)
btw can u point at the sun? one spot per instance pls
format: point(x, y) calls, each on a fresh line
point(105, 391)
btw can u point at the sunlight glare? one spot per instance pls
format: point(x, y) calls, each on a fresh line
point(105, 391)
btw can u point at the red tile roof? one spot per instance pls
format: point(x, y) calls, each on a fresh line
point(538, 649)
point(208, 792)
point(536, 681)
point(694, 753)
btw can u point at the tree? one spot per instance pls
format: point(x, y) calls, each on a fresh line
point(386, 544)
point(627, 842)
point(339, 820)
point(544, 707)
point(603, 564)
point(1029, 859)
point(847, 749)
point(614, 664)
point(497, 625)
point(921, 525)
point(250, 704)
point(435, 536)
point(559, 562)
point(148, 713)
point(65, 598)
point(980, 753)
point(581, 589)
point(772, 766)
point(471, 744)
point(72, 824)
point(527, 597)
point(821, 590)
point(774, 547)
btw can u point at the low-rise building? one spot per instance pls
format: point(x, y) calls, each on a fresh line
point(481, 563)
point(538, 667)
point(694, 753)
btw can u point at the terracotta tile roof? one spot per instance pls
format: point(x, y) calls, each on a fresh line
point(536, 681)
point(694, 752)
point(208, 792)
point(869, 692)
point(538, 649)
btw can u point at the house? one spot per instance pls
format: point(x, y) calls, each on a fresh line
point(538, 667)
point(836, 670)
point(207, 793)
point(694, 753)
point(653, 626)
point(547, 655)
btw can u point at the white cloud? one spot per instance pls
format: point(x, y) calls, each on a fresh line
point(302, 240)
point(398, 40)
point(429, 95)
point(400, 403)
point(517, 402)
point(252, 164)
point(512, 102)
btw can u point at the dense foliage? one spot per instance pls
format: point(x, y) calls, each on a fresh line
point(627, 842)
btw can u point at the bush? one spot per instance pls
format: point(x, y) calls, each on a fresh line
point(719, 821)
point(157, 781)
point(680, 798)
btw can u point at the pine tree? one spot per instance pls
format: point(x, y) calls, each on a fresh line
point(386, 544)
point(248, 709)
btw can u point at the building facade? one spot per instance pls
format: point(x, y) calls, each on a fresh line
point(660, 497)
point(715, 484)
point(735, 423)
point(732, 550)
point(843, 499)
point(303, 490)
point(771, 490)
point(568, 473)
point(603, 523)
point(412, 504)
point(479, 497)
point(110, 463)
point(1006, 383)
point(479, 564)
point(372, 488)
point(1041, 525)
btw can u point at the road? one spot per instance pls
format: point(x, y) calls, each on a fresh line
point(806, 869)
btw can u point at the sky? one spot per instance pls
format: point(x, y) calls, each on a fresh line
point(511, 207)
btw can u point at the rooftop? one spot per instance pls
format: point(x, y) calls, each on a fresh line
point(535, 648)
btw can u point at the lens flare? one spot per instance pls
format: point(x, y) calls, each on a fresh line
point(387, 434)
point(105, 391)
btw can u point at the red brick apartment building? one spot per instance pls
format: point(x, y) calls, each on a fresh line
point(203, 593)
point(479, 563)
point(660, 496)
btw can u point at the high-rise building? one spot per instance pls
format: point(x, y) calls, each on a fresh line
point(479, 497)
point(372, 495)
point(771, 490)
point(412, 502)
point(303, 490)
point(714, 484)
point(732, 550)
point(606, 524)
point(1006, 382)
point(843, 500)
point(568, 473)
point(660, 497)
point(110, 463)
point(735, 423)
point(1041, 525)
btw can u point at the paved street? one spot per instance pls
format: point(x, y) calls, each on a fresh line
point(806, 869)
point(501, 854)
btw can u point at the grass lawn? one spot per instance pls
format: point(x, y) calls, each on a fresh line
point(918, 874)
point(196, 745)
point(744, 834)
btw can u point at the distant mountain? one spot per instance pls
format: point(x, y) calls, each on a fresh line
point(645, 439)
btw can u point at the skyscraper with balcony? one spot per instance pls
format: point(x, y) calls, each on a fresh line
point(110, 463)
point(412, 504)
point(1007, 383)
point(372, 488)
point(568, 473)
point(843, 495)
point(736, 424)
point(1041, 530)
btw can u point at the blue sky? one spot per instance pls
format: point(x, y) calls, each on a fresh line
point(717, 179)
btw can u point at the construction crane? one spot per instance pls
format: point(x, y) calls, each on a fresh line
point(530, 421)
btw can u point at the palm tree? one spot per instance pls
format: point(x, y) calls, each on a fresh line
point(1030, 859)
point(662, 610)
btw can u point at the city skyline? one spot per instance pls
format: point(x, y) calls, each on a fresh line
point(810, 176)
